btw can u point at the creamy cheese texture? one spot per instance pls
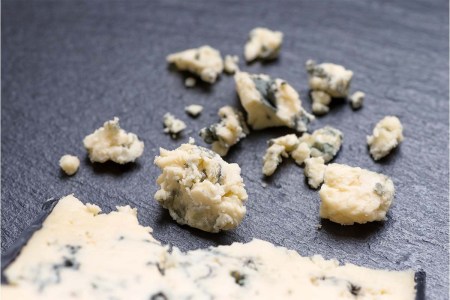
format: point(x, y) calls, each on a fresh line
point(387, 135)
point(228, 132)
point(270, 102)
point(111, 142)
point(69, 164)
point(173, 125)
point(231, 64)
point(205, 61)
point(320, 102)
point(80, 253)
point(324, 142)
point(263, 44)
point(278, 148)
point(330, 78)
point(357, 99)
point(200, 189)
point(194, 110)
point(353, 195)
point(315, 171)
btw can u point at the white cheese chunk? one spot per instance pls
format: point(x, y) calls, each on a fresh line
point(173, 126)
point(320, 102)
point(82, 254)
point(263, 44)
point(111, 142)
point(205, 61)
point(387, 134)
point(228, 132)
point(330, 78)
point(231, 64)
point(324, 142)
point(315, 171)
point(194, 110)
point(270, 102)
point(279, 147)
point(190, 82)
point(357, 99)
point(200, 189)
point(69, 164)
point(354, 195)
point(301, 153)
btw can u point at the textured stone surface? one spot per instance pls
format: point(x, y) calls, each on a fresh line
point(69, 66)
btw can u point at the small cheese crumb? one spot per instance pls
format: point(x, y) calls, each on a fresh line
point(357, 99)
point(314, 171)
point(279, 147)
point(111, 142)
point(69, 164)
point(263, 43)
point(329, 78)
point(263, 184)
point(387, 135)
point(231, 64)
point(228, 132)
point(194, 110)
point(191, 140)
point(190, 82)
point(354, 195)
point(173, 126)
point(206, 62)
point(320, 102)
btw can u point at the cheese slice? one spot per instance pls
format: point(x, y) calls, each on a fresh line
point(80, 253)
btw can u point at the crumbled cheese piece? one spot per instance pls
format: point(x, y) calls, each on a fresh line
point(69, 164)
point(320, 102)
point(190, 82)
point(330, 78)
point(279, 147)
point(206, 62)
point(324, 142)
point(231, 64)
point(194, 110)
point(387, 134)
point(200, 189)
point(270, 102)
point(191, 140)
point(314, 171)
point(263, 43)
point(357, 99)
point(87, 255)
point(172, 125)
point(301, 153)
point(354, 195)
point(111, 142)
point(228, 132)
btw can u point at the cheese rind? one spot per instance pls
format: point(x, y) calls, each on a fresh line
point(200, 189)
point(353, 195)
point(387, 135)
point(111, 142)
point(69, 164)
point(263, 44)
point(228, 132)
point(80, 253)
point(270, 102)
point(205, 61)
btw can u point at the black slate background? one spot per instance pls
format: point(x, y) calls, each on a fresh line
point(68, 66)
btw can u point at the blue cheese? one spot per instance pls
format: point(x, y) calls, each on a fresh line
point(320, 102)
point(111, 142)
point(228, 132)
point(69, 164)
point(315, 171)
point(80, 253)
point(194, 110)
point(173, 126)
point(387, 135)
point(270, 102)
point(231, 64)
point(357, 99)
point(200, 189)
point(329, 78)
point(278, 148)
point(263, 44)
point(205, 61)
point(353, 195)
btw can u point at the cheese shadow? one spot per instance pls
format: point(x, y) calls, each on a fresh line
point(357, 231)
point(111, 167)
point(199, 85)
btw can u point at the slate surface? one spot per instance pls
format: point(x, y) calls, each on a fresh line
point(68, 66)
